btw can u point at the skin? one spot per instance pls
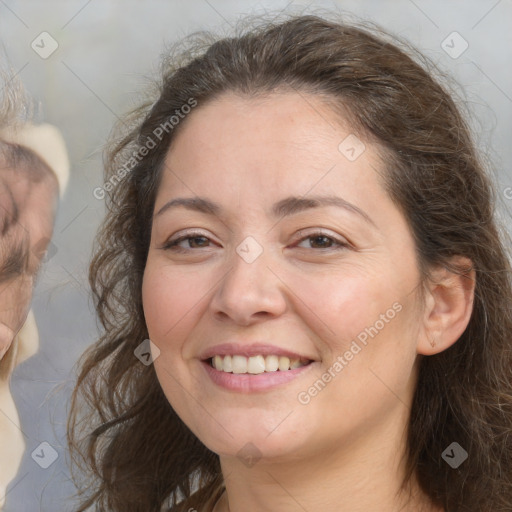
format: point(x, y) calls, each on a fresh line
point(304, 294)
point(36, 203)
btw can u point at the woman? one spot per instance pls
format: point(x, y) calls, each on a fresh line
point(301, 225)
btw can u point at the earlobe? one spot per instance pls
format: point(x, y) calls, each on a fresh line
point(448, 307)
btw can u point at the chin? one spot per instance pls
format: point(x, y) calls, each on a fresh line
point(247, 434)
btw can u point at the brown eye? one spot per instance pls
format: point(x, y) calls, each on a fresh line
point(323, 241)
point(195, 241)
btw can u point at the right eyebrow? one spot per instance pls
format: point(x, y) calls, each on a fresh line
point(198, 204)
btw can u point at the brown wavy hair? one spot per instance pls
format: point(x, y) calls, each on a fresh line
point(136, 452)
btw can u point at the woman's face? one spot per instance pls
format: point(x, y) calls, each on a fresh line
point(262, 275)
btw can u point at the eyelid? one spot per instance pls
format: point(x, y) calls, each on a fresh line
point(340, 242)
point(189, 232)
point(183, 235)
point(324, 231)
point(309, 232)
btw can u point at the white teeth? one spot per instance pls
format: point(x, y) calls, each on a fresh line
point(271, 363)
point(255, 364)
point(239, 364)
point(217, 362)
point(227, 364)
point(284, 363)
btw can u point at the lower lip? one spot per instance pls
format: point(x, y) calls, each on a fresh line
point(249, 383)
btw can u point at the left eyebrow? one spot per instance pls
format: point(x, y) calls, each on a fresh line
point(286, 207)
point(292, 205)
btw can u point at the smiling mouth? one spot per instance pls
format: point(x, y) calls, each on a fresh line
point(255, 365)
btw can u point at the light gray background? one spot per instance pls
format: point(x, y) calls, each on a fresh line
point(106, 49)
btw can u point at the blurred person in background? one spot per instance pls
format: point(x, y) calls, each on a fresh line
point(34, 168)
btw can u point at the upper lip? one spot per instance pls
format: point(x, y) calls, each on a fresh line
point(252, 349)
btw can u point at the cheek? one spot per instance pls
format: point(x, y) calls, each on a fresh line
point(340, 306)
point(171, 297)
point(367, 325)
point(373, 364)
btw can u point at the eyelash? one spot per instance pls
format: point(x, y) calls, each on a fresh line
point(173, 245)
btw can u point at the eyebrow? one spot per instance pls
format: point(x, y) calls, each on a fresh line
point(284, 208)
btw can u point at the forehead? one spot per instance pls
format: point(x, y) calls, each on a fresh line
point(277, 141)
point(302, 121)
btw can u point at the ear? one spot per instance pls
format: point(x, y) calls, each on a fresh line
point(448, 307)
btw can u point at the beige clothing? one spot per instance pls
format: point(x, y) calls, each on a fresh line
point(12, 444)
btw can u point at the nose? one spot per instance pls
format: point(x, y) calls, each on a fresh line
point(251, 290)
